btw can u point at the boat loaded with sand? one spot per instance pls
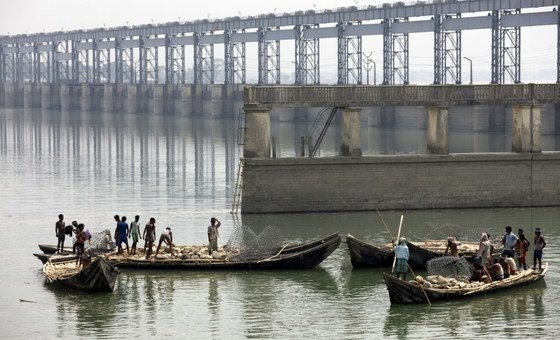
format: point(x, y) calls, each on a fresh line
point(252, 255)
point(434, 288)
point(363, 254)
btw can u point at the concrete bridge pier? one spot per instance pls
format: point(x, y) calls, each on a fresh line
point(108, 97)
point(350, 137)
point(10, 95)
point(186, 100)
point(438, 138)
point(86, 97)
point(159, 97)
point(131, 98)
point(28, 95)
point(526, 128)
point(46, 96)
point(64, 97)
point(257, 131)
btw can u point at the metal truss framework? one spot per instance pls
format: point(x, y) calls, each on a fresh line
point(349, 56)
point(149, 63)
point(235, 60)
point(204, 61)
point(176, 64)
point(129, 66)
point(268, 59)
point(506, 50)
point(447, 53)
point(307, 57)
point(395, 55)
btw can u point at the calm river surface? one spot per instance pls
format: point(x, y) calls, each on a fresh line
point(181, 170)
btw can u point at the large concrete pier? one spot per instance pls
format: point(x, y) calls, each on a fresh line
point(401, 182)
point(183, 99)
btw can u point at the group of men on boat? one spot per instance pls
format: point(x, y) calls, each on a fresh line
point(123, 232)
point(487, 265)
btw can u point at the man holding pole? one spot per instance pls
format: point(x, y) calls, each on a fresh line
point(401, 254)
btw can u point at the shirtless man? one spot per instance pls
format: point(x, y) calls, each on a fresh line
point(149, 236)
point(59, 233)
point(451, 248)
point(539, 246)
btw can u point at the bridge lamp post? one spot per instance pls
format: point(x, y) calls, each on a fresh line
point(368, 68)
point(470, 62)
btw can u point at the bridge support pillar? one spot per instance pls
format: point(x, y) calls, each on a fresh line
point(158, 99)
point(526, 128)
point(86, 97)
point(131, 98)
point(28, 94)
point(186, 99)
point(10, 95)
point(350, 136)
point(257, 131)
point(46, 96)
point(64, 97)
point(108, 97)
point(438, 139)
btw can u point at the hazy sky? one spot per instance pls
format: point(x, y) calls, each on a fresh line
point(33, 16)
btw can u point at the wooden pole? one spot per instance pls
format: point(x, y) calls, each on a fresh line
point(421, 286)
point(392, 240)
point(398, 237)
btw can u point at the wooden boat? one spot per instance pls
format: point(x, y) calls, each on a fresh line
point(50, 249)
point(98, 276)
point(363, 254)
point(301, 256)
point(405, 292)
point(44, 258)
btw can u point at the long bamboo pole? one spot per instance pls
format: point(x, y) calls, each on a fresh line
point(398, 237)
point(421, 286)
point(387, 228)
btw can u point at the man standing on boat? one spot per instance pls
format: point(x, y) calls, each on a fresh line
point(402, 254)
point(59, 233)
point(539, 246)
point(134, 232)
point(149, 236)
point(509, 241)
point(120, 235)
point(213, 235)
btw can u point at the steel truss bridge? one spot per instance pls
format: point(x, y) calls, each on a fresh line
point(139, 54)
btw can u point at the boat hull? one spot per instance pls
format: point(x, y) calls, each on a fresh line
point(99, 276)
point(404, 292)
point(305, 256)
point(363, 254)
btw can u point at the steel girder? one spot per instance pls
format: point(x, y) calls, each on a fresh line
point(176, 64)
point(28, 66)
point(349, 56)
point(235, 60)
point(102, 65)
point(2, 66)
point(84, 74)
point(558, 47)
point(395, 55)
point(268, 58)
point(506, 50)
point(306, 57)
point(129, 67)
point(203, 61)
point(447, 53)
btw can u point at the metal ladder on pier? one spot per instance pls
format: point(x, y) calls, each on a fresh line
point(319, 129)
point(238, 188)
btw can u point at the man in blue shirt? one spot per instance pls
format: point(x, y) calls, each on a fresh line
point(120, 235)
point(401, 253)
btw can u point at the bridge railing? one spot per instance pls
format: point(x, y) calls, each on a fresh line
point(406, 95)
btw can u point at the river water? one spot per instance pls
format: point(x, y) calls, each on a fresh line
point(182, 170)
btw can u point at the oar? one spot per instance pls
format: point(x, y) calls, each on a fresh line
point(421, 286)
point(398, 238)
point(387, 228)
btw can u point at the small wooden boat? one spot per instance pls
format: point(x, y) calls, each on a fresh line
point(44, 258)
point(301, 256)
point(50, 249)
point(98, 276)
point(405, 292)
point(363, 254)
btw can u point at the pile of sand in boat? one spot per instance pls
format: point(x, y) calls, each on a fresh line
point(440, 282)
point(193, 252)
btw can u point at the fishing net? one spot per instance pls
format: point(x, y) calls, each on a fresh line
point(245, 245)
point(450, 266)
point(101, 242)
point(461, 233)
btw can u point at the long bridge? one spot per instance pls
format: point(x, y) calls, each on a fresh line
point(183, 52)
